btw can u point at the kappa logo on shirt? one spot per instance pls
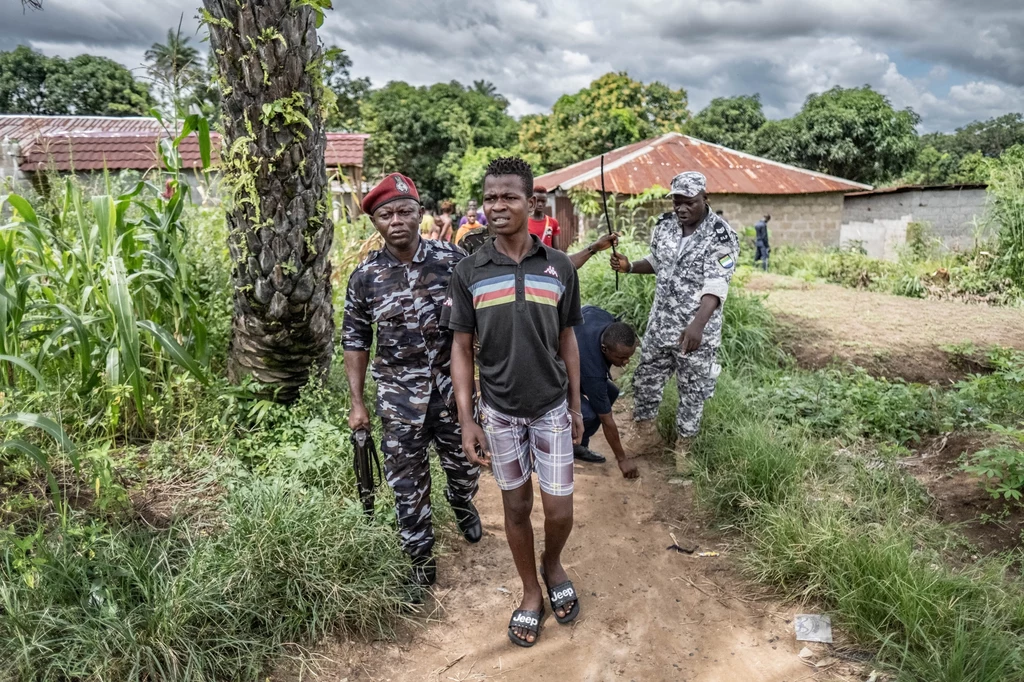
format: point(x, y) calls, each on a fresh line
point(448, 302)
point(551, 271)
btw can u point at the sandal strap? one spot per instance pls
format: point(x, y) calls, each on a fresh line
point(528, 620)
point(562, 594)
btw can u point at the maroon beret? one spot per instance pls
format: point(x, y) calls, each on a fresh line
point(394, 186)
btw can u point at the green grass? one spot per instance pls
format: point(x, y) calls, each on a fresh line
point(802, 464)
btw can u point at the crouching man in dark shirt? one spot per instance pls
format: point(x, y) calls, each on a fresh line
point(604, 342)
point(521, 298)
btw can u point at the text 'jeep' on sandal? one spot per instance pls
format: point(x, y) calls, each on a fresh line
point(525, 620)
point(560, 595)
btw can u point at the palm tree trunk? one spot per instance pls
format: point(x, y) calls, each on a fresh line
point(276, 188)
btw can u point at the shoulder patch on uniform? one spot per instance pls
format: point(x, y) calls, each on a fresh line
point(727, 261)
point(721, 233)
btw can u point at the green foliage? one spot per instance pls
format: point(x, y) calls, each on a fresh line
point(1006, 187)
point(1001, 465)
point(31, 83)
point(469, 175)
point(613, 111)
point(923, 270)
point(425, 131)
point(851, 133)
point(349, 92)
point(128, 603)
point(729, 121)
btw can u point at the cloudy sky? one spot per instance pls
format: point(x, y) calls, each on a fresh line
point(951, 61)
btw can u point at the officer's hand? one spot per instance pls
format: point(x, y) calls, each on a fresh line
point(605, 242)
point(474, 444)
point(359, 418)
point(577, 428)
point(619, 263)
point(691, 337)
point(628, 468)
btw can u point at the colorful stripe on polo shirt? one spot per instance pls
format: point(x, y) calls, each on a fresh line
point(543, 290)
point(494, 291)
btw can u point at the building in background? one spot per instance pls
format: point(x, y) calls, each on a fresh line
point(878, 219)
point(806, 207)
point(34, 148)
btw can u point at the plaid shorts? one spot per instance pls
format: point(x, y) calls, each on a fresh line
point(520, 445)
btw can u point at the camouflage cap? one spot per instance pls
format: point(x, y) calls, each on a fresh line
point(688, 184)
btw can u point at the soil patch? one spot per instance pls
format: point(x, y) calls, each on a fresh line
point(991, 525)
point(889, 336)
point(648, 614)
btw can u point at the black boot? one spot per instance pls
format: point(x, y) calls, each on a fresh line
point(468, 519)
point(424, 571)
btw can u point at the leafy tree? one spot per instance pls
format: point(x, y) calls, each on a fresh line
point(23, 73)
point(31, 83)
point(991, 137)
point(350, 92)
point(176, 67)
point(613, 111)
point(425, 131)
point(273, 170)
point(729, 121)
point(931, 167)
point(852, 133)
point(469, 175)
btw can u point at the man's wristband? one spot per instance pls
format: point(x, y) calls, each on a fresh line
point(630, 271)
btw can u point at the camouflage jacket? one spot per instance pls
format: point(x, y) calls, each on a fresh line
point(404, 302)
point(685, 270)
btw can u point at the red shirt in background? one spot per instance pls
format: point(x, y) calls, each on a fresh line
point(537, 227)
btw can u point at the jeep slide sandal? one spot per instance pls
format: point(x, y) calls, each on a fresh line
point(527, 620)
point(560, 595)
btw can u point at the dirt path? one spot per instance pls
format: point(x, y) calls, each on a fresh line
point(891, 336)
point(647, 614)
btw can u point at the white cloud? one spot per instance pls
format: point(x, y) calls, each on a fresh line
point(536, 50)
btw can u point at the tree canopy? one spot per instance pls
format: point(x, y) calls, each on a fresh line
point(349, 92)
point(729, 121)
point(32, 83)
point(852, 133)
point(613, 111)
point(426, 131)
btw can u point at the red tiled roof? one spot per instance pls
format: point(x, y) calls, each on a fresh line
point(99, 151)
point(345, 149)
point(85, 143)
point(638, 167)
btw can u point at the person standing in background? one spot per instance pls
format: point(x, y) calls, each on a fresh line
point(428, 222)
point(471, 207)
point(544, 226)
point(444, 222)
point(762, 249)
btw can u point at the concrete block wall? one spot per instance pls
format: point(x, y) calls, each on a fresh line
point(952, 214)
point(797, 219)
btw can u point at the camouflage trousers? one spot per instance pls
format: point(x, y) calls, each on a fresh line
point(407, 468)
point(696, 375)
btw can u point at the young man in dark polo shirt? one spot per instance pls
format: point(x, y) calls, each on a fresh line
point(521, 298)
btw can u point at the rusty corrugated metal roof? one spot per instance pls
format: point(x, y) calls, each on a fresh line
point(638, 167)
point(23, 128)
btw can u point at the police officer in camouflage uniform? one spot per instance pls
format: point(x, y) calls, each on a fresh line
point(401, 289)
point(693, 257)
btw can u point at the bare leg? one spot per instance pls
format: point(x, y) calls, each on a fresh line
point(518, 506)
point(557, 527)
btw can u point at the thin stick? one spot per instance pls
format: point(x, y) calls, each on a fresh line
point(607, 220)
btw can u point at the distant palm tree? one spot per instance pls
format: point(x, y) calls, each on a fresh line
point(175, 66)
point(32, 4)
point(485, 88)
